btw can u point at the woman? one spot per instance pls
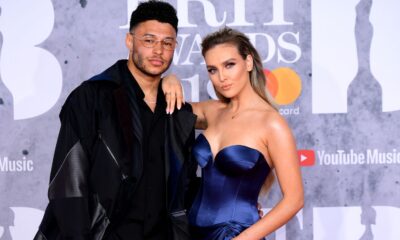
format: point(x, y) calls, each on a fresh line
point(244, 138)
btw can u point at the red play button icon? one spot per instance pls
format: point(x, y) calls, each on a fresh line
point(306, 157)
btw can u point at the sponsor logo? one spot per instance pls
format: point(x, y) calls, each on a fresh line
point(284, 84)
point(306, 157)
point(16, 165)
point(351, 157)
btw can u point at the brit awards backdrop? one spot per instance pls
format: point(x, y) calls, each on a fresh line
point(332, 67)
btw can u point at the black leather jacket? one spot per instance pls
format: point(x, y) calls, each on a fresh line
point(90, 186)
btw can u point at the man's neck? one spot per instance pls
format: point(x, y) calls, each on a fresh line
point(148, 84)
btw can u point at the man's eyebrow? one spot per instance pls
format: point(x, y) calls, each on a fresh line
point(148, 35)
point(153, 35)
point(170, 38)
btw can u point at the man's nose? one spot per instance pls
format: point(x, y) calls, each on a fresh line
point(158, 48)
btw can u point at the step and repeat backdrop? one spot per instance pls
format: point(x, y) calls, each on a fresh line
point(333, 68)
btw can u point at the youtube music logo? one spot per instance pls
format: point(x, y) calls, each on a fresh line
point(306, 157)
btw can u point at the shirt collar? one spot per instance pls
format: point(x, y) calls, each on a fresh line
point(132, 83)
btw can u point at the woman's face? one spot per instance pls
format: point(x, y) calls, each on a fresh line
point(227, 70)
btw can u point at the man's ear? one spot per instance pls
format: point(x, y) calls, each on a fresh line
point(129, 41)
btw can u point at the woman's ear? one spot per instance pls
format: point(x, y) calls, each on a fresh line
point(249, 63)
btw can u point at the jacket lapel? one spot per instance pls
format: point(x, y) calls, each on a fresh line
point(124, 116)
point(128, 116)
point(180, 127)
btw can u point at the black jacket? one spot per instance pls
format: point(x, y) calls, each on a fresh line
point(90, 184)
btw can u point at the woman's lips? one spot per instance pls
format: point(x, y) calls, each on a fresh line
point(226, 87)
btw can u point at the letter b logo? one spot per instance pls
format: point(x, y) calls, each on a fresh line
point(31, 74)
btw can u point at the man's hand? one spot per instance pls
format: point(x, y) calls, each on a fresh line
point(173, 92)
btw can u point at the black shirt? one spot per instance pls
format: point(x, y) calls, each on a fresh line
point(147, 217)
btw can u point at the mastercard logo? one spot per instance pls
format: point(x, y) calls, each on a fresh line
point(284, 84)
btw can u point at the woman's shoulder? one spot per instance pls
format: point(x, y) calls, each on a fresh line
point(206, 112)
point(272, 119)
point(209, 105)
point(271, 126)
point(213, 102)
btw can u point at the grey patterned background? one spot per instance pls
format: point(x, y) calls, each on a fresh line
point(352, 189)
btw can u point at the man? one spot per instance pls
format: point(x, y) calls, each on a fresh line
point(121, 166)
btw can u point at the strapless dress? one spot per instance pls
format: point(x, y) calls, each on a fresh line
point(227, 200)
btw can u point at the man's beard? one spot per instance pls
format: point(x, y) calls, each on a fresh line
point(139, 64)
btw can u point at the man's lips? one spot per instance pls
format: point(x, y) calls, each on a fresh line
point(156, 62)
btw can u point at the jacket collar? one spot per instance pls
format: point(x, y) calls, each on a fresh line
point(125, 97)
point(128, 115)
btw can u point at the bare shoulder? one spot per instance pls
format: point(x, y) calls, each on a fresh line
point(206, 112)
point(273, 122)
point(275, 119)
point(276, 129)
point(213, 103)
point(208, 105)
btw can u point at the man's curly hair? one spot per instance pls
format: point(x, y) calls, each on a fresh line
point(154, 10)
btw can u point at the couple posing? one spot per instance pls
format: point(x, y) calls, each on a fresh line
point(125, 162)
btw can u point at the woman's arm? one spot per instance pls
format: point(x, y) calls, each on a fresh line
point(172, 85)
point(283, 153)
point(173, 91)
point(199, 109)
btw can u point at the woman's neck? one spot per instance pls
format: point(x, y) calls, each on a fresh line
point(246, 99)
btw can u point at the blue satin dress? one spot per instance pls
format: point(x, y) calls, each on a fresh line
point(227, 201)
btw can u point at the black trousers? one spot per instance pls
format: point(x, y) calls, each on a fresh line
point(135, 231)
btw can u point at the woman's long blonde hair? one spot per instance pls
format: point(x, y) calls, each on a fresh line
point(257, 77)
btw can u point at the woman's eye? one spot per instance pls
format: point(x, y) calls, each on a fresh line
point(229, 65)
point(211, 70)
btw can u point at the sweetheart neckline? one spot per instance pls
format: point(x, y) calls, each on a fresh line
point(214, 157)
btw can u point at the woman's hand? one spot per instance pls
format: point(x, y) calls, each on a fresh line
point(173, 92)
point(260, 211)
